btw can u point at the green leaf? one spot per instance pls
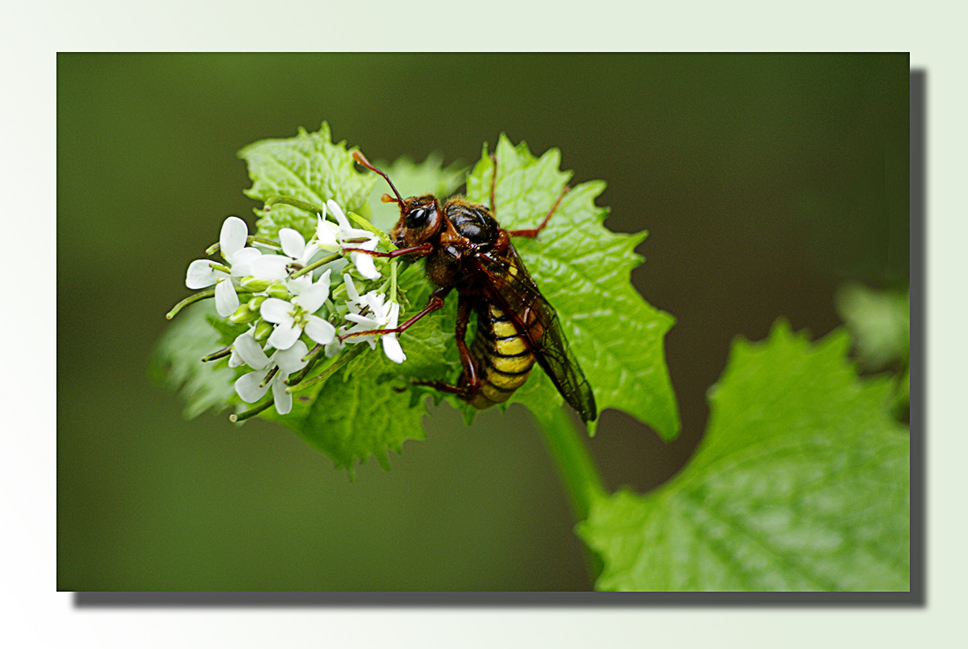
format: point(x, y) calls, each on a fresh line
point(801, 483)
point(308, 167)
point(176, 362)
point(880, 322)
point(350, 419)
point(583, 269)
point(368, 407)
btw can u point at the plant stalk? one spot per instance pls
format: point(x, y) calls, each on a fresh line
point(578, 472)
point(582, 481)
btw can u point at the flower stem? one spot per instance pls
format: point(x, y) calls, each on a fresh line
point(316, 264)
point(242, 416)
point(222, 353)
point(201, 295)
point(393, 280)
point(336, 364)
point(310, 360)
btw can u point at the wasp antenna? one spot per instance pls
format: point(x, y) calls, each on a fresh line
point(361, 159)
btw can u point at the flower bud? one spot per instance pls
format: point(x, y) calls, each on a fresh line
point(244, 315)
point(256, 302)
point(262, 331)
point(278, 290)
point(254, 284)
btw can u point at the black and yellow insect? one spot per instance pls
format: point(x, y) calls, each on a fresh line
point(467, 250)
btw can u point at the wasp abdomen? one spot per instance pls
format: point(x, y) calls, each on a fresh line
point(501, 356)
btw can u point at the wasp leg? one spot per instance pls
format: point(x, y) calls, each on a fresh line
point(460, 332)
point(436, 301)
point(532, 233)
point(464, 392)
point(470, 383)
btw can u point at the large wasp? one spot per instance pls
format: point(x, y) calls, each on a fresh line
point(467, 250)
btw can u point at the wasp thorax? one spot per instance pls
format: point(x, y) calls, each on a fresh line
point(472, 222)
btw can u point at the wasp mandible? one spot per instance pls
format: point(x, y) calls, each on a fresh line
point(468, 251)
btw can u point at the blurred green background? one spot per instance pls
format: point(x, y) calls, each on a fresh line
point(765, 181)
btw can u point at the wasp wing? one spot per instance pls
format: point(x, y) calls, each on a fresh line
point(508, 283)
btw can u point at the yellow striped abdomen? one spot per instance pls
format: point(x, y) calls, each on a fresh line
point(501, 356)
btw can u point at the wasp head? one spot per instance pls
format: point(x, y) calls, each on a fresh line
point(419, 221)
point(419, 215)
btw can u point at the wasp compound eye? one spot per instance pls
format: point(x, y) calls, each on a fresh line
point(419, 217)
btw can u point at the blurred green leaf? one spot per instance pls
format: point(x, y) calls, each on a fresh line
point(801, 483)
point(880, 322)
point(176, 361)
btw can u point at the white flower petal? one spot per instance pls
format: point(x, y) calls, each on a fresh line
point(364, 264)
point(269, 267)
point(368, 323)
point(378, 308)
point(392, 348)
point(242, 261)
point(284, 336)
point(233, 236)
point(369, 242)
point(292, 242)
point(200, 274)
point(276, 311)
point(235, 360)
point(226, 300)
point(250, 352)
point(320, 330)
point(326, 232)
point(299, 284)
point(313, 297)
point(282, 399)
point(351, 291)
point(338, 213)
point(248, 386)
point(393, 316)
point(290, 360)
point(311, 249)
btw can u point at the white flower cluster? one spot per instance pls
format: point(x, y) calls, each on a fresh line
point(285, 307)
